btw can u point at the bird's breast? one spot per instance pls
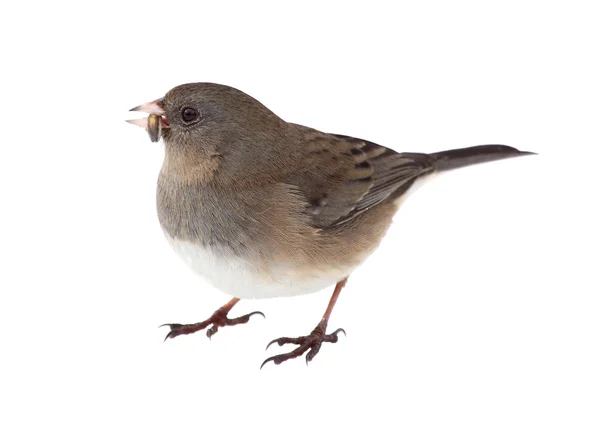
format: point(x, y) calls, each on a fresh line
point(248, 244)
point(252, 277)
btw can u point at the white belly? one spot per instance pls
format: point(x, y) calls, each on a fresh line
point(239, 278)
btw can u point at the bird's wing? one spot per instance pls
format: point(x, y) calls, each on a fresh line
point(342, 176)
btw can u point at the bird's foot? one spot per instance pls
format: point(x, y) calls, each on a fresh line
point(311, 343)
point(217, 320)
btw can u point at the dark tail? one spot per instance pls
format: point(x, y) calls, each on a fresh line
point(457, 158)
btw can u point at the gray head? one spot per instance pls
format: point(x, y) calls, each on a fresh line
point(215, 128)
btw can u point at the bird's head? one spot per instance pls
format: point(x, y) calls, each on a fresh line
point(202, 122)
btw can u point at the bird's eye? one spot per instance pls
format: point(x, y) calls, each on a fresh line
point(189, 114)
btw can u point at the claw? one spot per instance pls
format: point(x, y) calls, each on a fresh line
point(335, 332)
point(210, 332)
point(273, 342)
point(172, 326)
point(256, 312)
point(268, 360)
point(285, 340)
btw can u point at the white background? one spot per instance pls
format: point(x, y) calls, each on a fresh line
point(481, 304)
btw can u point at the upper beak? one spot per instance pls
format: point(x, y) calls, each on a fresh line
point(154, 107)
point(155, 122)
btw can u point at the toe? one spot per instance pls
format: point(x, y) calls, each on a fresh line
point(314, 350)
point(210, 332)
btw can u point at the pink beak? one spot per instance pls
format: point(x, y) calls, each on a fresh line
point(156, 111)
point(154, 107)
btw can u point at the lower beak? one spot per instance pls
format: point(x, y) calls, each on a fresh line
point(155, 122)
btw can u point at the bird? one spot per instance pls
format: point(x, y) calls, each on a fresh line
point(264, 208)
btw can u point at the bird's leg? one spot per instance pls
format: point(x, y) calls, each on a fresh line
point(217, 320)
point(312, 342)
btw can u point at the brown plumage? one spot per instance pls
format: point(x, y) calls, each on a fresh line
point(264, 208)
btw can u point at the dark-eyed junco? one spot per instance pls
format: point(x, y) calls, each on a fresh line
point(263, 208)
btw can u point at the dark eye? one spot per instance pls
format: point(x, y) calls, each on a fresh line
point(189, 114)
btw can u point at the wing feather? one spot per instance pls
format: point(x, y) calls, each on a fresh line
point(344, 176)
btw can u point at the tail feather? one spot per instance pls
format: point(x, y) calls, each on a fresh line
point(457, 158)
